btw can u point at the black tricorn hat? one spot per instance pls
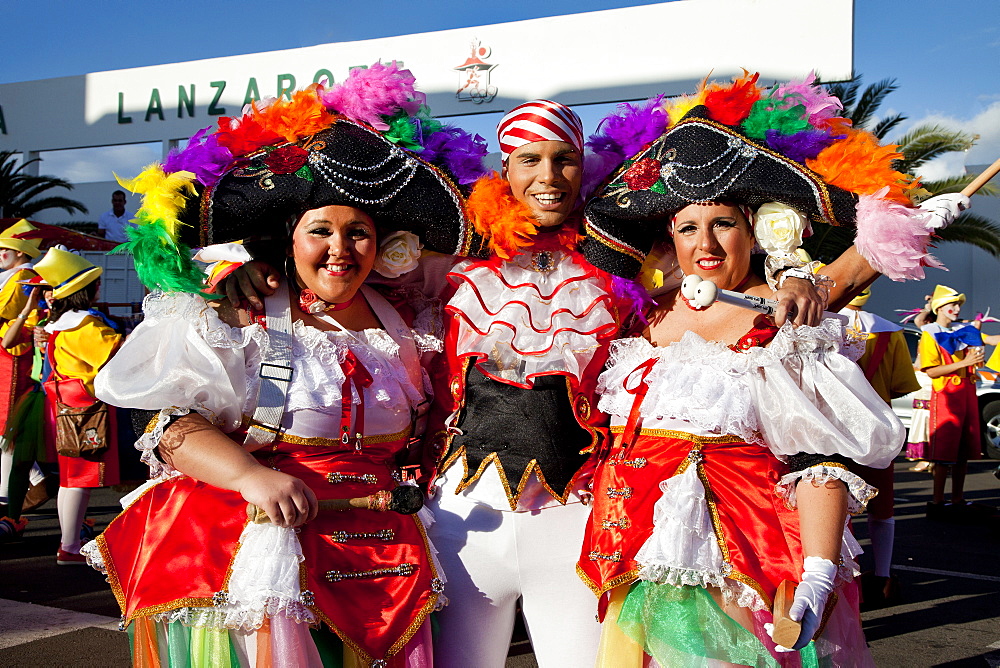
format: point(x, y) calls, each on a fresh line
point(347, 164)
point(698, 160)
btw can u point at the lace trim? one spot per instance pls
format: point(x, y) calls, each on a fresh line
point(733, 591)
point(317, 356)
point(859, 492)
point(231, 617)
point(94, 558)
point(194, 310)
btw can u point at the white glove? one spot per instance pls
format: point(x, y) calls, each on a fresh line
point(810, 599)
point(942, 210)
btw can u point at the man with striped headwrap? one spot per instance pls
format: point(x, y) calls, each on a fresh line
point(515, 412)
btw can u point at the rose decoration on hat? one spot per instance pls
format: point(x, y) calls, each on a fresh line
point(400, 254)
point(779, 228)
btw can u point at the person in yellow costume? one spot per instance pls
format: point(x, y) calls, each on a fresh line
point(17, 249)
point(80, 342)
point(954, 423)
point(888, 367)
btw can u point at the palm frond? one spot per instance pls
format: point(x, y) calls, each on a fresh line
point(886, 125)
point(30, 208)
point(978, 231)
point(871, 99)
point(847, 92)
point(926, 142)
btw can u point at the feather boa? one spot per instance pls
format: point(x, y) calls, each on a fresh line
point(506, 223)
point(373, 94)
point(857, 163)
point(160, 261)
point(892, 237)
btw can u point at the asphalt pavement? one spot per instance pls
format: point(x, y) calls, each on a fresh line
point(948, 615)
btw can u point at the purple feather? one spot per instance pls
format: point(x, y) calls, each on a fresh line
point(458, 152)
point(202, 156)
point(630, 128)
point(633, 295)
point(800, 146)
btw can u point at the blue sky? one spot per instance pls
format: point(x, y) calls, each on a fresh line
point(943, 54)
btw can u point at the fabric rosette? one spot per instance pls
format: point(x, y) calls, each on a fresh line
point(399, 254)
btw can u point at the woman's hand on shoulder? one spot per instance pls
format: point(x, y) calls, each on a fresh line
point(287, 500)
point(252, 281)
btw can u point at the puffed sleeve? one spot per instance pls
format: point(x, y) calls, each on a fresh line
point(814, 404)
point(181, 358)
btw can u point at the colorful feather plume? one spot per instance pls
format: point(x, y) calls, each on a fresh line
point(374, 94)
point(892, 237)
point(859, 164)
point(302, 116)
point(163, 195)
point(499, 217)
point(730, 104)
point(161, 262)
point(457, 152)
point(203, 157)
point(243, 136)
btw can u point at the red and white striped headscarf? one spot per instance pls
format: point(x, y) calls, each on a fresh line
point(539, 120)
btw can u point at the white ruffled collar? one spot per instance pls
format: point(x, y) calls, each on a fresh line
point(68, 320)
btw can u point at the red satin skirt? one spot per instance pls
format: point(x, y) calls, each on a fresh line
point(175, 545)
point(757, 533)
point(954, 428)
point(15, 378)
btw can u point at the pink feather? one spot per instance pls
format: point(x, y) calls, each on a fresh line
point(893, 238)
point(369, 95)
point(820, 105)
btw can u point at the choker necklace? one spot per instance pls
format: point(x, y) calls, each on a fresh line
point(693, 307)
point(313, 305)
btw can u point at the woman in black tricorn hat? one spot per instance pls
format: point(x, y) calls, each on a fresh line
point(313, 397)
point(726, 471)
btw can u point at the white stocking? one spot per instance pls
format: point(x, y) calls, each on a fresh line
point(72, 506)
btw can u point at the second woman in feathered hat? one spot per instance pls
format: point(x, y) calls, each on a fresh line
point(719, 405)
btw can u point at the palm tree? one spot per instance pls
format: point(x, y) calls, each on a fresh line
point(20, 192)
point(918, 146)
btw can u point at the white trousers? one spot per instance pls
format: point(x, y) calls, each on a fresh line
point(491, 558)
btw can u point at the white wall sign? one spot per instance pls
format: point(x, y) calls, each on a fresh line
point(604, 56)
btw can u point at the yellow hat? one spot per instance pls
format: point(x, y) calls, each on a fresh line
point(944, 295)
point(14, 238)
point(862, 299)
point(66, 272)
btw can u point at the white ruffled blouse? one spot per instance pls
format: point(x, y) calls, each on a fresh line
point(804, 393)
point(183, 358)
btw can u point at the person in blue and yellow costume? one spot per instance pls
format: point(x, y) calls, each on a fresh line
point(949, 354)
point(313, 397)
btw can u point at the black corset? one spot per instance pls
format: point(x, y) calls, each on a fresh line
point(521, 425)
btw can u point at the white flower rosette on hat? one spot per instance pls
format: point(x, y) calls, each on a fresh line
point(779, 230)
point(400, 254)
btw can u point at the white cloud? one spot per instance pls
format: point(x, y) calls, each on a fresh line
point(986, 124)
point(88, 165)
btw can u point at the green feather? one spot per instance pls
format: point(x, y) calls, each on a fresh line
point(765, 116)
point(161, 262)
point(403, 131)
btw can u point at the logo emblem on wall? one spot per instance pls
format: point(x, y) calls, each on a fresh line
point(474, 76)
